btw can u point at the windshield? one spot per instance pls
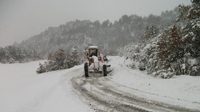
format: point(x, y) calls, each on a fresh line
point(93, 52)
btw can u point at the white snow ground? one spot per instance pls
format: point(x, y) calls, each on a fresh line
point(181, 90)
point(23, 90)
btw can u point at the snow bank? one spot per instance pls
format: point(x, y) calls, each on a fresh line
point(181, 90)
point(22, 90)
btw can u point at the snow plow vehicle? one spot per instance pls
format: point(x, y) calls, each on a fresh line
point(95, 64)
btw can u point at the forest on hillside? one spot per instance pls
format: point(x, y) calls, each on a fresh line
point(165, 43)
point(109, 36)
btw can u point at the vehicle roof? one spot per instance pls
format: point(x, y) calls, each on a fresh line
point(96, 47)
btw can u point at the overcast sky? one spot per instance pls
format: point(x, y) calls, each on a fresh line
point(21, 19)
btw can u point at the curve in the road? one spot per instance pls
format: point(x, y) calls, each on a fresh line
point(102, 96)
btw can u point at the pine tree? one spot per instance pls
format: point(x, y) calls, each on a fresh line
point(74, 57)
point(190, 16)
point(170, 48)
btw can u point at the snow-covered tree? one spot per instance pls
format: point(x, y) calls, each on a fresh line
point(74, 57)
point(55, 62)
point(59, 60)
point(190, 16)
point(176, 49)
point(170, 45)
point(13, 54)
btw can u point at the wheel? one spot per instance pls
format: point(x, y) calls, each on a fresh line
point(86, 69)
point(104, 70)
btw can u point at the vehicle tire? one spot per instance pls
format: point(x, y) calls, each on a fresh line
point(86, 69)
point(104, 70)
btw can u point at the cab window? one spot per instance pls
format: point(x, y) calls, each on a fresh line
point(93, 52)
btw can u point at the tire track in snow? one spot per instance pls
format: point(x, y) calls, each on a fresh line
point(102, 96)
point(99, 100)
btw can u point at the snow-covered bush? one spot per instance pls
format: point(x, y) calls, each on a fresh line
point(132, 66)
point(54, 62)
point(165, 74)
point(59, 60)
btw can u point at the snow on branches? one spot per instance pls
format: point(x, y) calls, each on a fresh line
point(59, 61)
point(176, 50)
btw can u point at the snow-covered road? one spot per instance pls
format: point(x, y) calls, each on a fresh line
point(22, 90)
point(102, 95)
